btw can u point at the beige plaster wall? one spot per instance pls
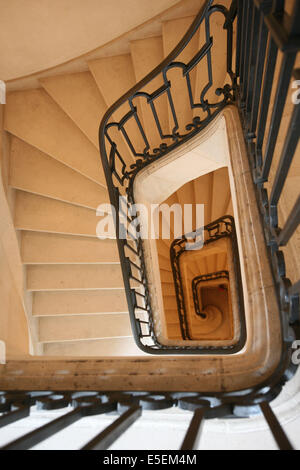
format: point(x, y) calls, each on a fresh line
point(13, 322)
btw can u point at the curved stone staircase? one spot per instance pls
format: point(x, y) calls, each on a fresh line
point(74, 295)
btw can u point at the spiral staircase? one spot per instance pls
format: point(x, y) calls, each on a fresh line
point(213, 191)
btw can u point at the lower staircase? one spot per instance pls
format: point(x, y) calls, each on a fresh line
point(212, 190)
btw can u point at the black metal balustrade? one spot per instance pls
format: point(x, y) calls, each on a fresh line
point(216, 230)
point(128, 407)
point(120, 173)
point(204, 278)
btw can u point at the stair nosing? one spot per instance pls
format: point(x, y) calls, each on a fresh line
point(65, 201)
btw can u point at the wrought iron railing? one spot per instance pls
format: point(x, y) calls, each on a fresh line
point(128, 408)
point(124, 153)
point(216, 230)
point(205, 278)
point(262, 30)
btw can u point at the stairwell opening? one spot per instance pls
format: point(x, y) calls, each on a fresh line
point(200, 173)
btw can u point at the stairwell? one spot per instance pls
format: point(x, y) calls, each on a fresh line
point(74, 291)
point(74, 294)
